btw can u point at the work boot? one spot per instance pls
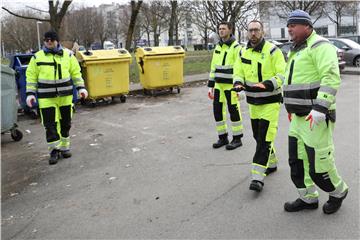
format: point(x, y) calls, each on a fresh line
point(256, 185)
point(299, 205)
point(333, 204)
point(270, 170)
point(54, 157)
point(66, 153)
point(221, 142)
point(235, 143)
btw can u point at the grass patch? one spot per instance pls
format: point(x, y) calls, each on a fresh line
point(195, 62)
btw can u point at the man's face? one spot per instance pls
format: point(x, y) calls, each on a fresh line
point(255, 33)
point(298, 32)
point(224, 31)
point(50, 43)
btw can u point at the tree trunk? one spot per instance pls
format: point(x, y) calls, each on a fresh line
point(135, 7)
point(172, 22)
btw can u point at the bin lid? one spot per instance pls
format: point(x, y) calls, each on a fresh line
point(20, 60)
point(7, 69)
point(96, 55)
point(153, 51)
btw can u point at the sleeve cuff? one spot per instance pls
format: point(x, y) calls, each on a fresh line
point(211, 84)
point(320, 108)
point(268, 85)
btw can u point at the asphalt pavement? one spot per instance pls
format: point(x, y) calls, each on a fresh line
point(145, 169)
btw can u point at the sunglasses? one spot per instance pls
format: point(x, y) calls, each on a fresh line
point(48, 39)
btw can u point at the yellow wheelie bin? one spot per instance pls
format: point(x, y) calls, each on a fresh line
point(160, 67)
point(106, 73)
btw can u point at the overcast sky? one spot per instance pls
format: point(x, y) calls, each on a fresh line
point(43, 4)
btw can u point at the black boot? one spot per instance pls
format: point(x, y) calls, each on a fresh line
point(54, 157)
point(256, 185)
point(333, 204)
point(66, 154)
point(235, 143)
point(223, 140)
point(299, 205)
point(270, 170)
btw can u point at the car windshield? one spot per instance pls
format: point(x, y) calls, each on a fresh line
point(351, 43)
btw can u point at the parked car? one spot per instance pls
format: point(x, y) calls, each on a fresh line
point(285, 48)
point(351, 48)
point(355, 38)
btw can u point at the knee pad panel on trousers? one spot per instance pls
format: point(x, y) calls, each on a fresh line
point(217, 106)
point(320, 179)
point(234, 112)
point(65, 122)
point(255, 128)
point(216, 95)
point(296, 164)
point(262, 153)
point(48, 119)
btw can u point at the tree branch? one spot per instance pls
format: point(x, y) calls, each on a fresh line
point(25, 17)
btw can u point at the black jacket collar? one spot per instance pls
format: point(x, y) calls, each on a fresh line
point(228, 42)
point(257, 48)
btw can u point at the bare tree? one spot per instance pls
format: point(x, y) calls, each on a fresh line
point(18, 33)
point(201, 19)
point(86, 25)
point(230, 11)
point(335, 10)
point(135, 8)
point(56, 13)
point(314, 8)
point(174, 5)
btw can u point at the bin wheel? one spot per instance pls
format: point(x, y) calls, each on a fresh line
point(122, 98)
point(171, 89)
point(93, 104)
point(16, 134)
point(178, 90)
point(145, 92)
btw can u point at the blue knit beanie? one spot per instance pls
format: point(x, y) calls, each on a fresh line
point(299, 17)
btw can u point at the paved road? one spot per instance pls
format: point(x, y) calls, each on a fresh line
point(146, 169)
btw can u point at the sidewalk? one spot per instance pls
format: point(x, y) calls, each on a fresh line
point(187, 79)
point(204, 77)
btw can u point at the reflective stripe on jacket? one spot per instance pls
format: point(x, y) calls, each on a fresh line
point(265, 63)
point(312, 77)
point(224, 57)
point(50, 75)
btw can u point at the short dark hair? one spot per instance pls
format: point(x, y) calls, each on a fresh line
point(257, 21)
point(228, 24)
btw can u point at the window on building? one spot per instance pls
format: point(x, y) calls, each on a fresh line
point(323, 31)
point(347, 30)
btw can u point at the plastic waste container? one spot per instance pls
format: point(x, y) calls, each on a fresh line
point(8, 103)
point(161, 67)
point(19, 63)
point(106, 72)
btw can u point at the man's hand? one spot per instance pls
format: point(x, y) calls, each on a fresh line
point(30, 101)
point(315, 117)
point(259, 85)
point(83, 93)
point(211, 93)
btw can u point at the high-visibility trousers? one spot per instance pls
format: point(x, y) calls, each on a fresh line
point(264, 123)
point(225, 98)
point(311, 159)
point(56, 114)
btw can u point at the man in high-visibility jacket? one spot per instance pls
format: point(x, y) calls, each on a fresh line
point(312, 80)
point(259, 70)
point(220, 85)
point(50, 76)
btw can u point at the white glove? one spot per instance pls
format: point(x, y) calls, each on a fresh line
point(315, 118)
point(30, 100)
point(83, 93)
point(211, 93)
point(241, 95)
